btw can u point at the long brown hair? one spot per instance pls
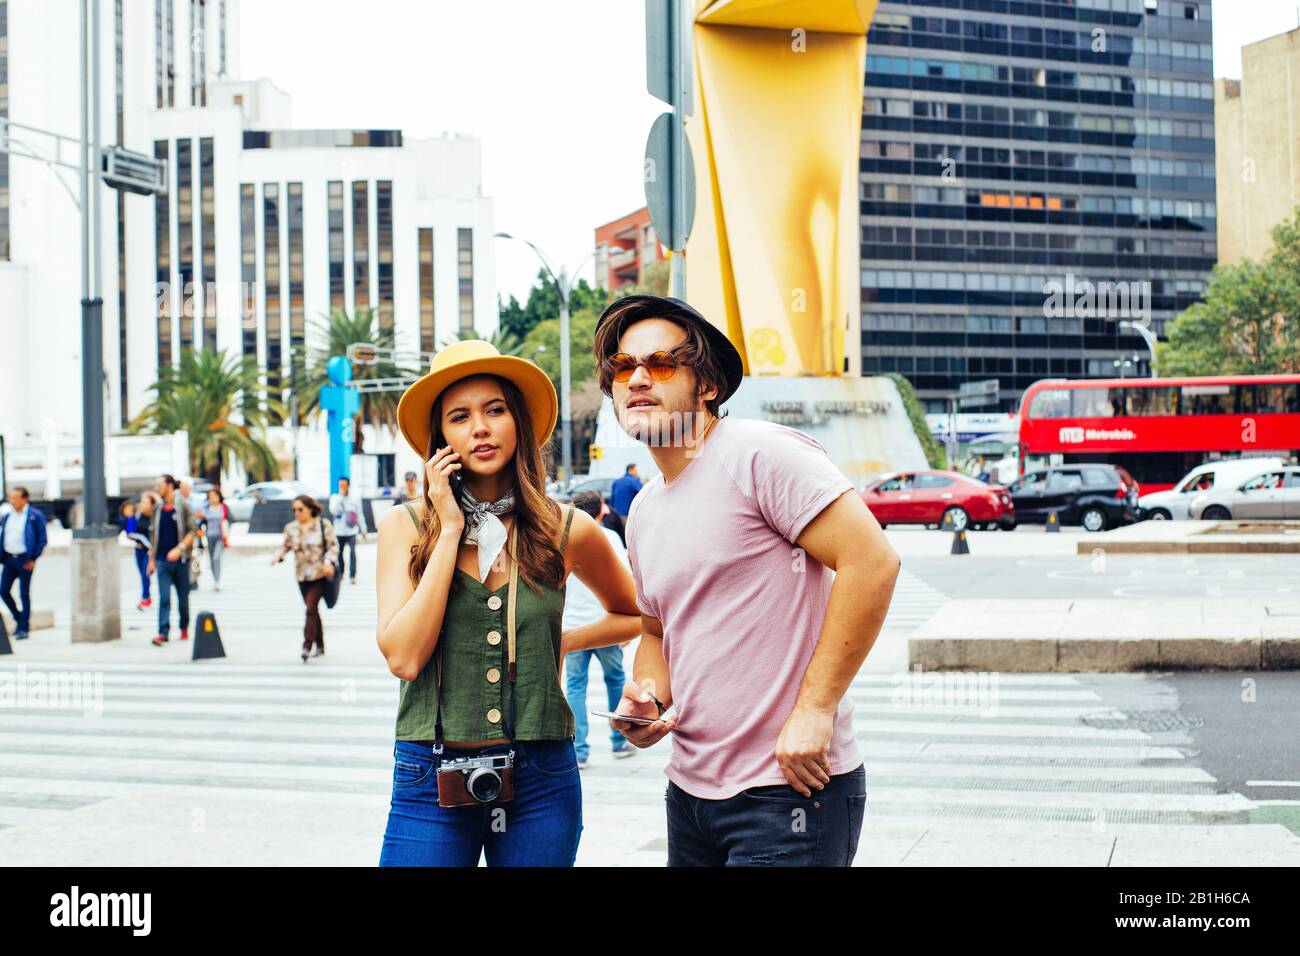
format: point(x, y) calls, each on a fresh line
point(536, 516)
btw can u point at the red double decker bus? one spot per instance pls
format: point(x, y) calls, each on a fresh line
point(1158, 429)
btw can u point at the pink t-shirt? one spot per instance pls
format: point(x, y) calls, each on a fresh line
point(715, 562)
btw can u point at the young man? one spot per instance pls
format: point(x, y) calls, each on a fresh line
point(582, 607)
point(410, 487)
point(22, 539)
point(172, 535)
point(349, 521)
point(744, 629)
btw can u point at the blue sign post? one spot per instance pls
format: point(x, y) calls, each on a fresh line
point(341, 402)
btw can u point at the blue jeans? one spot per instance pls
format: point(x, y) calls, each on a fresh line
point(142, 566)
point(769, 826)
point(539, 827)
point(173, 574)
point(14, 571)
point(576, 665)
point(347, 541)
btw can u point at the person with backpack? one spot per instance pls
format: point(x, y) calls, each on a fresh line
point(349, 521)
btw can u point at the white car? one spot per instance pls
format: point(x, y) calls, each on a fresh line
point(1274, 493)
point(1176, 502)
point(241, 504)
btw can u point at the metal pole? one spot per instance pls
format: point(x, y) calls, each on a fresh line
point(562, 284)
point(677, 50)
point(92, 305)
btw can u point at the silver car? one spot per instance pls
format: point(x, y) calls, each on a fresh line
point(1210, 476)
point(241, 504)
point(1274, 494)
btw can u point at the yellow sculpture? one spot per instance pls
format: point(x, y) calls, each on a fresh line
point(775, 137)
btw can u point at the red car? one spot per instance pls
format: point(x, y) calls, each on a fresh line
point(926, 497)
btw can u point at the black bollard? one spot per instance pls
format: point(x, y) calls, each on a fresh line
point(207, 640)
point(1053, 521)
point(959, 545)
point(5, 646)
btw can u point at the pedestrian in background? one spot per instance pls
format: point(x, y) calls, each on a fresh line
point(22, 539)
point(171, 539)
point(411, 488)
point(624, 490)
point(216, 524)
point(349, 521)
point(582, 607)
point(315, 550)
point(133, 519)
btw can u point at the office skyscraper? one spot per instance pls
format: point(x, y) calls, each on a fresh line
point(1011, 148)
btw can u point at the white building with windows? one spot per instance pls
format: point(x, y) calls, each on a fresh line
point(264, 228)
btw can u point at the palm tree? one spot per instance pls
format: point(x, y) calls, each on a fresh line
point(199, 396)
point(507, 343)
point(331, 337)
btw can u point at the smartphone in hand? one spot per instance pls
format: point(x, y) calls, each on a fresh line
point(642, 721)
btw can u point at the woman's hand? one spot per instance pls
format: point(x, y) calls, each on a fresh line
point(329, 570)
point(437, 474)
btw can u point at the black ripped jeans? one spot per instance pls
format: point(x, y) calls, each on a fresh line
point(769, 826)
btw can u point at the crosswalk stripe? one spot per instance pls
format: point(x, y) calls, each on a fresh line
point(284, 731)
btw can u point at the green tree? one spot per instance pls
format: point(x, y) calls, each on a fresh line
point(543, 346)
point(544, 303)
point(331, 336)
point(1249, 320)
point(200, 396)
point(934, 453)
point(655, 280)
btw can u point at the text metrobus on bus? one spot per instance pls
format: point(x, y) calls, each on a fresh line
point(1159, 429)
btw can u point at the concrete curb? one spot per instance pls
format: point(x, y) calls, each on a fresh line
point(1198, 537)
point(1103, 654)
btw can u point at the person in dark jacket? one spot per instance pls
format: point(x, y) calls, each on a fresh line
point(22, 539)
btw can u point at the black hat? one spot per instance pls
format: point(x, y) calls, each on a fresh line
point(666, 307)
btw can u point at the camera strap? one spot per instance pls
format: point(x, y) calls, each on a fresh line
point(510, 652)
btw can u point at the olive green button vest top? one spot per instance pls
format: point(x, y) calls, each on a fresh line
point(475, 679)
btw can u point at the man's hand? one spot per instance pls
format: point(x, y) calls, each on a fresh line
point(150, 570)
point(174, 554)
point(803, 749)
point(637, 702)
point(29, 565)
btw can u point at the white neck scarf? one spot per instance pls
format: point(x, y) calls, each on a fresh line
point(484, 528)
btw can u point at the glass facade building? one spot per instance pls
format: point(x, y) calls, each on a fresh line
point(1032, 174)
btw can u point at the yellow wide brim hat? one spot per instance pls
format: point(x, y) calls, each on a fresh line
point(475, 357)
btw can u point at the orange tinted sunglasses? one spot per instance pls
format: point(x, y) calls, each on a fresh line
point(661, 365)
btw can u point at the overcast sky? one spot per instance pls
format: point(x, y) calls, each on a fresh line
point(554, 88)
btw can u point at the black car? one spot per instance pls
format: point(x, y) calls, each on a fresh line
point(1096, 496)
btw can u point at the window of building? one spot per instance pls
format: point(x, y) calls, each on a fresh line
point(198, 53)
point(271, 283)
point(360, 246)
point(427, 317)
point(207, 204)
point(248, 270)
point(297, 317)
point(334, 212)
point(163, 264)
point(384, 242)
point(185, 237)
point(465, 276)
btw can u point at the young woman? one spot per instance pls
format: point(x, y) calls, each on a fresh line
point(134, 522)
point(316, 559)
point(216, 522)
point(483, 549)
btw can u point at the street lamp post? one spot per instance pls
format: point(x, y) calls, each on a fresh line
point(1147, 336)
point(564, 287)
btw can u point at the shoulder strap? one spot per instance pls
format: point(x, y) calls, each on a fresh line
point(411, 511)
point(564, 539)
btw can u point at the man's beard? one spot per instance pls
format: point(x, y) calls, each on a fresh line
point(665, 426)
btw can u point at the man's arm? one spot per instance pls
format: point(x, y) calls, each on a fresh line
point(846, 538)
point(649, 680)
